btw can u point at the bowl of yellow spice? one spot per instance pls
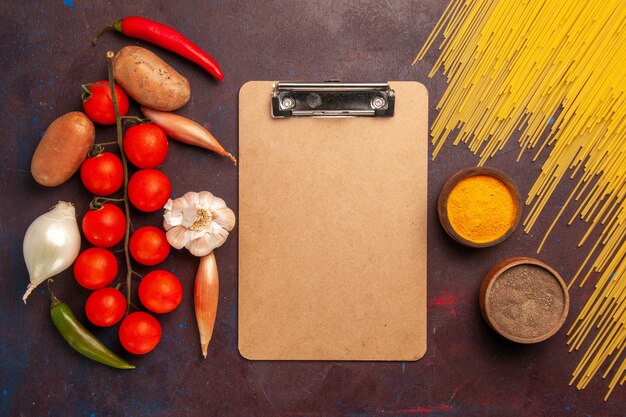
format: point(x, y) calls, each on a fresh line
point(479, 207)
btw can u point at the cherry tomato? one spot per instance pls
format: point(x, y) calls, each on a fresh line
point(105, 307)
point(99, 107)
point(149, 246)
point(149, 189)
point(145, 145)
point(139, 332)
point(104, 227)
point(95, 268)
point(102, 174)
point(160, 291)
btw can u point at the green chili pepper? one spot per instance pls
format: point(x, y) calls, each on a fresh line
point(81, 339)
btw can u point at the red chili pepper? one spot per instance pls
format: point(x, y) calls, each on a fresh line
point(167, 38)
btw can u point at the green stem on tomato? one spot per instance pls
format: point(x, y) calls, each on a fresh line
point(108, 143)
point(86, 91)
point(97, 148)
point(86, 94)
point(96, 202)
point(118, 124)
point(135, 120)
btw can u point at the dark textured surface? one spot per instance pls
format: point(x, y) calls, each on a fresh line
point(467, 371)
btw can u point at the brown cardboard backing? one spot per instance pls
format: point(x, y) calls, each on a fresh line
point(332, 232)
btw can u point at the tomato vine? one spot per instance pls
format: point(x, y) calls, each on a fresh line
point(119, 132)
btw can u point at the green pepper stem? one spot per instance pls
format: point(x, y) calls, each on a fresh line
point(117, 25)
point(118, 124)
point(53, 299)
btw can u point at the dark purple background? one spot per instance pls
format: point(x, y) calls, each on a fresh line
point(467, 371)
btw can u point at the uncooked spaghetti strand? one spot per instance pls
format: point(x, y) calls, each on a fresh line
point(450, 8)
point(613, 383)
point(614, 361)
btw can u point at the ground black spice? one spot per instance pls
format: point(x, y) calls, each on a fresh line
point(526, 301)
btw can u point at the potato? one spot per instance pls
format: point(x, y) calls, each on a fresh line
point(150, 80)
point(62, 149)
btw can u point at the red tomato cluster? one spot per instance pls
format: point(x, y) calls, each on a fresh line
point(105, 307)
point(160, 291)
point(149, 246)
point(148, 189)
point(103, 174)
point(145, 145)
point(104, 227)
point(98, 104)
point(95, 268)
point(140, 332)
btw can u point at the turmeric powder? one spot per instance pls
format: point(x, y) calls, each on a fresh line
point(481, 208)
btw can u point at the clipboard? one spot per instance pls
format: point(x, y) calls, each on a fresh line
point(332, 221)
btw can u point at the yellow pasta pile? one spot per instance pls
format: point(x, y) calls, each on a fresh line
point(521, 69)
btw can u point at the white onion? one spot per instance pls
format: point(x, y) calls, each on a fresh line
point(51, 244)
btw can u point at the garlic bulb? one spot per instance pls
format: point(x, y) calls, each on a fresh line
point(199, 222)
point(51, 244)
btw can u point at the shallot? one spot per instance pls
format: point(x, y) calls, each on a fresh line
point(206, 298)
point(186, 131)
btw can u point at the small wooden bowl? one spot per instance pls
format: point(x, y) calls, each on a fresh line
point(524, 300)
point(442, 204)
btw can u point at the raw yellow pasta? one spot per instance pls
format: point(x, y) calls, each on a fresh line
point(552, 74)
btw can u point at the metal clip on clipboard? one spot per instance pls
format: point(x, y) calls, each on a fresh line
point(332, 99)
